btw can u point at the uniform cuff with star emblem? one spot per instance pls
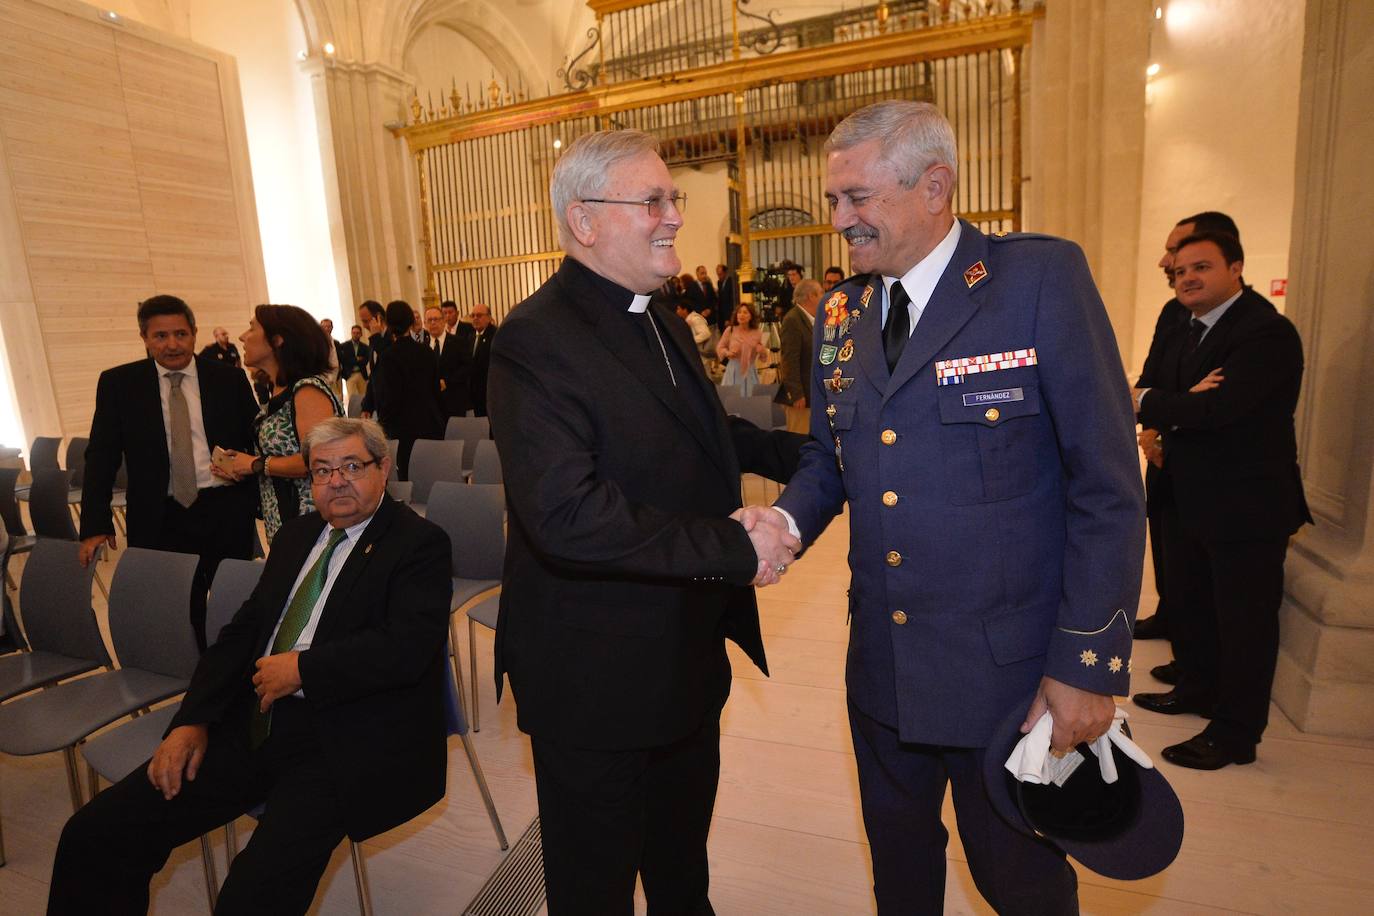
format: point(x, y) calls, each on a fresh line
point(1097, 660)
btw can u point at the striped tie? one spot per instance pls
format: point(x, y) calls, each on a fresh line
point(293, 622)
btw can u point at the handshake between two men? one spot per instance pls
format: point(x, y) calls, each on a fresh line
point(773, 541)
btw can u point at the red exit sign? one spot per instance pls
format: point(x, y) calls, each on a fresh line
point(1278, 287)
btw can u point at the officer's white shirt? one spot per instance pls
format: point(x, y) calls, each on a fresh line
point(200, 447)
point(336, 562)
point(920, 281)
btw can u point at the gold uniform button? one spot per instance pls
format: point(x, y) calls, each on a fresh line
point(889, 437)
point(889, 499)
point(899, 617)
point(894, 558)
point(992, 415)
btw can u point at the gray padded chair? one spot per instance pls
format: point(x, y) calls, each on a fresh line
point(431, 461)
point(355, 406)
point(42, 457)
point(75, 463)
point(486, 464)
point(48, 505)
point(151, 630)
point(766, 391)
point(114, 754)
point(473, 516)
point(20, 541)
point(63, 636)
point(470, 430)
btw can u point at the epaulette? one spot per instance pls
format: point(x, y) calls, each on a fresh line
point(1005, 236)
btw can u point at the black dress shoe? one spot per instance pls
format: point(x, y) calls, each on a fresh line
point(1151, 628)
point(1203, 752)
point(1167, 674)
point(1172, 704)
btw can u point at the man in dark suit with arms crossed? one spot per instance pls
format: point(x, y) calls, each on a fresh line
point(968, 402)
point(1225, 391)
point(322, 699)
point(625, 567)
point(162, 417)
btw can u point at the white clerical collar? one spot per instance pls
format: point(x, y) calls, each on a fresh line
point(640, 304)
point(919, 282)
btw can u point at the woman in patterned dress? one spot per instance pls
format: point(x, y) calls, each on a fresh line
point(287, 344)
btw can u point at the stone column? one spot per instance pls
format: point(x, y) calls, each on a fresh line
point(1085, 140)
point(367, 187)
point(1325, 677)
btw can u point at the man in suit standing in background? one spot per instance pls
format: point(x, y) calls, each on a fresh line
point(794, 366)
point(405, 387)
point(619, 591)
point(1226, 389)
point(454, 362)
point(162, 417)
point(484, 330)
point(354, 359)
point(969, 404)
point(323, 700)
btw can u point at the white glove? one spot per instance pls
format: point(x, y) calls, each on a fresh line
point(1031, 760)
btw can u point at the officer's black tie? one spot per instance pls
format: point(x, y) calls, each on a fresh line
point(898, 327)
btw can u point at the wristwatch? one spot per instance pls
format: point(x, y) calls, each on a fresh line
point(259, 465)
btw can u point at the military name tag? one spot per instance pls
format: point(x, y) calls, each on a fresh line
point(827, 354)
point(1001, 396)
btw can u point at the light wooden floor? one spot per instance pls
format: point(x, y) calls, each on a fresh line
point(1289, 834)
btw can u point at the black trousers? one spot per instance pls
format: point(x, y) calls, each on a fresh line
point(1227, 641)
point(1157, 502)
point(902, 787)
point(607, 816)
point(217, 526)
point(112, 847)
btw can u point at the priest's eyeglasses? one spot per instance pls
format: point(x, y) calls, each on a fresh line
point(351, 470)
point(653, 204)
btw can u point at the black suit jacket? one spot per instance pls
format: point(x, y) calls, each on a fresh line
point(481, 367)
point(1171, 316)
point(228, 355)
point(455, 370)
point(127, 427)
point(354, 357)
point(405, 389)
point(623, 573)
point(372, 677)
point(1231, 453)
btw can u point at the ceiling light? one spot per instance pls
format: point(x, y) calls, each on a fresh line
point(557, 143)
point(329, 47)
point(109, 15)
point(1152, 70)
point(1159, 12)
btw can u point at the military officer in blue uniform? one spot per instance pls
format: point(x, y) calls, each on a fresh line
point(969, 404)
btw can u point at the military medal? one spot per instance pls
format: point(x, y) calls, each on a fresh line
point(867, 294)
point(846, 352)
point(830, 418)
point(828, 354)
point(837, 382)
point(829, 332)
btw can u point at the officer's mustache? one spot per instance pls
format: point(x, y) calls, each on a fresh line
point(854, 233)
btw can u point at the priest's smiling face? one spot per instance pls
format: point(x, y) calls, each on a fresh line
point(627, 242)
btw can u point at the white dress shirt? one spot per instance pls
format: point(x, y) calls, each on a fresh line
point(200, 446)
point(336, 562)
point(437, 343)
point(919, 282)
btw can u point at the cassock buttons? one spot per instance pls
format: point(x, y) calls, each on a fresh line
point(889, 499)
point(992, 415)
point(899, 617)
point(894, 558)
point(889, 437)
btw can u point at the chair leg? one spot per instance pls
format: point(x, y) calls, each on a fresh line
point(92, 780)
point(2, 843)
point(73, 776)
point(360, 877)
point(485, 792)
point(103, 590)
point(231, 842)
point(457, 667)
point(207, 859)
point(472, 660)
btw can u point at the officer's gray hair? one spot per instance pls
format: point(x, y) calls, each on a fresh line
point(913, 136)
point(335, 429)
point(582, 170)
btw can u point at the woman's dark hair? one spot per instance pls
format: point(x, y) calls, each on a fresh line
point(400, 317)
point(304, 349)
point(753, 315)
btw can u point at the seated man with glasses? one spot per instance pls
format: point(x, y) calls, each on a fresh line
point(322, 701)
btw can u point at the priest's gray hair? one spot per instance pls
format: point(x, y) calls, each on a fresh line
point(582, 170)
point(913, 137)
point(335, 429)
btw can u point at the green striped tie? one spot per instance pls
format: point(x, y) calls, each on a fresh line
point(293, 622)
